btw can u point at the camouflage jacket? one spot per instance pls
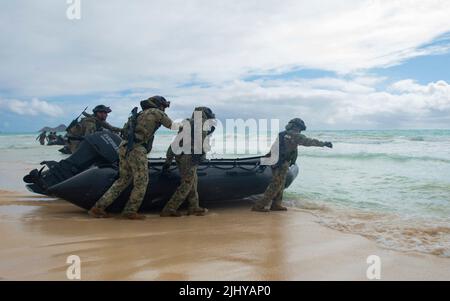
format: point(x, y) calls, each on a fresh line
point(90, 125)
point(196, 158)
point(288, 142)
point(148, 122)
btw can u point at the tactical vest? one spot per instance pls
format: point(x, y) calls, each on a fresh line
point(146, 126)
point(78, 128)
point(288, 150)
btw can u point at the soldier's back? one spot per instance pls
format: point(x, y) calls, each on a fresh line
point(148, 121)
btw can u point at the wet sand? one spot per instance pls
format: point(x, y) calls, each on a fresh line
point(231, 243)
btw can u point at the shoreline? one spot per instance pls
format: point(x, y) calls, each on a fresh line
point(230, 243)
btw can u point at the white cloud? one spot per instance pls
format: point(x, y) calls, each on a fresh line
point(33, 108)
point(157, 44)
point(155, 47)
point(322, 103)
point(440, 88)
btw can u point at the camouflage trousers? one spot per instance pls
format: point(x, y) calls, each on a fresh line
point(274, 192)
point(132, 169)
point(188, 186)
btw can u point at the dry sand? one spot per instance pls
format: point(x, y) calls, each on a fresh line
point(231, 243)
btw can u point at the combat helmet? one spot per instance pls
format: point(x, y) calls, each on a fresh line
point(207, 113)
point(155, 102)
point(101, 108)
point(296, 124)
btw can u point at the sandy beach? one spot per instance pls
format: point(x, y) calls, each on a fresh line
point(231, 243)
point(338, 110)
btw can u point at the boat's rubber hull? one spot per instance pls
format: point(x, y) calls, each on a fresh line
point(84, 177)
point(216, 183)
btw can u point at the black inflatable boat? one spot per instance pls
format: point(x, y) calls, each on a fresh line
point(83, 177)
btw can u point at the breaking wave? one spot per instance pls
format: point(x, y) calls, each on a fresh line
point(17, 147)
point(373, 156)
point(388, 230)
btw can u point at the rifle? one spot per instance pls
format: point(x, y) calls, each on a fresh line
point(132, 122)
point(75, 121)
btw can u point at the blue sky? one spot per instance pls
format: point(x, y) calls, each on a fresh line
point(337, 64)
point(424, 69)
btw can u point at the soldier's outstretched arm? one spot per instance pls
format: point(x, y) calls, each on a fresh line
point(168, 123)
point(305, 141)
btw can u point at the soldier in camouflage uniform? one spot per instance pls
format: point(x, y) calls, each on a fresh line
point(287, 141)
point(89, 125)
point(187, 164)
point(133, 164)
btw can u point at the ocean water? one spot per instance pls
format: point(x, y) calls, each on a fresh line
point(390, 186)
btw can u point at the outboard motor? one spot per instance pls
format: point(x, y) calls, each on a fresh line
point(99, 148)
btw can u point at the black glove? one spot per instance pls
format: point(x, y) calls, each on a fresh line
point(328, 144)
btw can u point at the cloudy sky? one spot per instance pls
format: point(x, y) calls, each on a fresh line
point(353, 64)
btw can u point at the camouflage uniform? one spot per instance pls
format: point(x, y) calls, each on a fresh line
point(88, 125)
point(288, 142)
point(188, 185)
point(276, 187)
point(92, 124)
point(187, 165)
point(134, 166)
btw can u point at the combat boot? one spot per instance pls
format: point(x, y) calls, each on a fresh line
point(199, 211)
point(259, 209)
point(98, 213)
point(170, 212)
point(278, 207)
point(134, 216)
